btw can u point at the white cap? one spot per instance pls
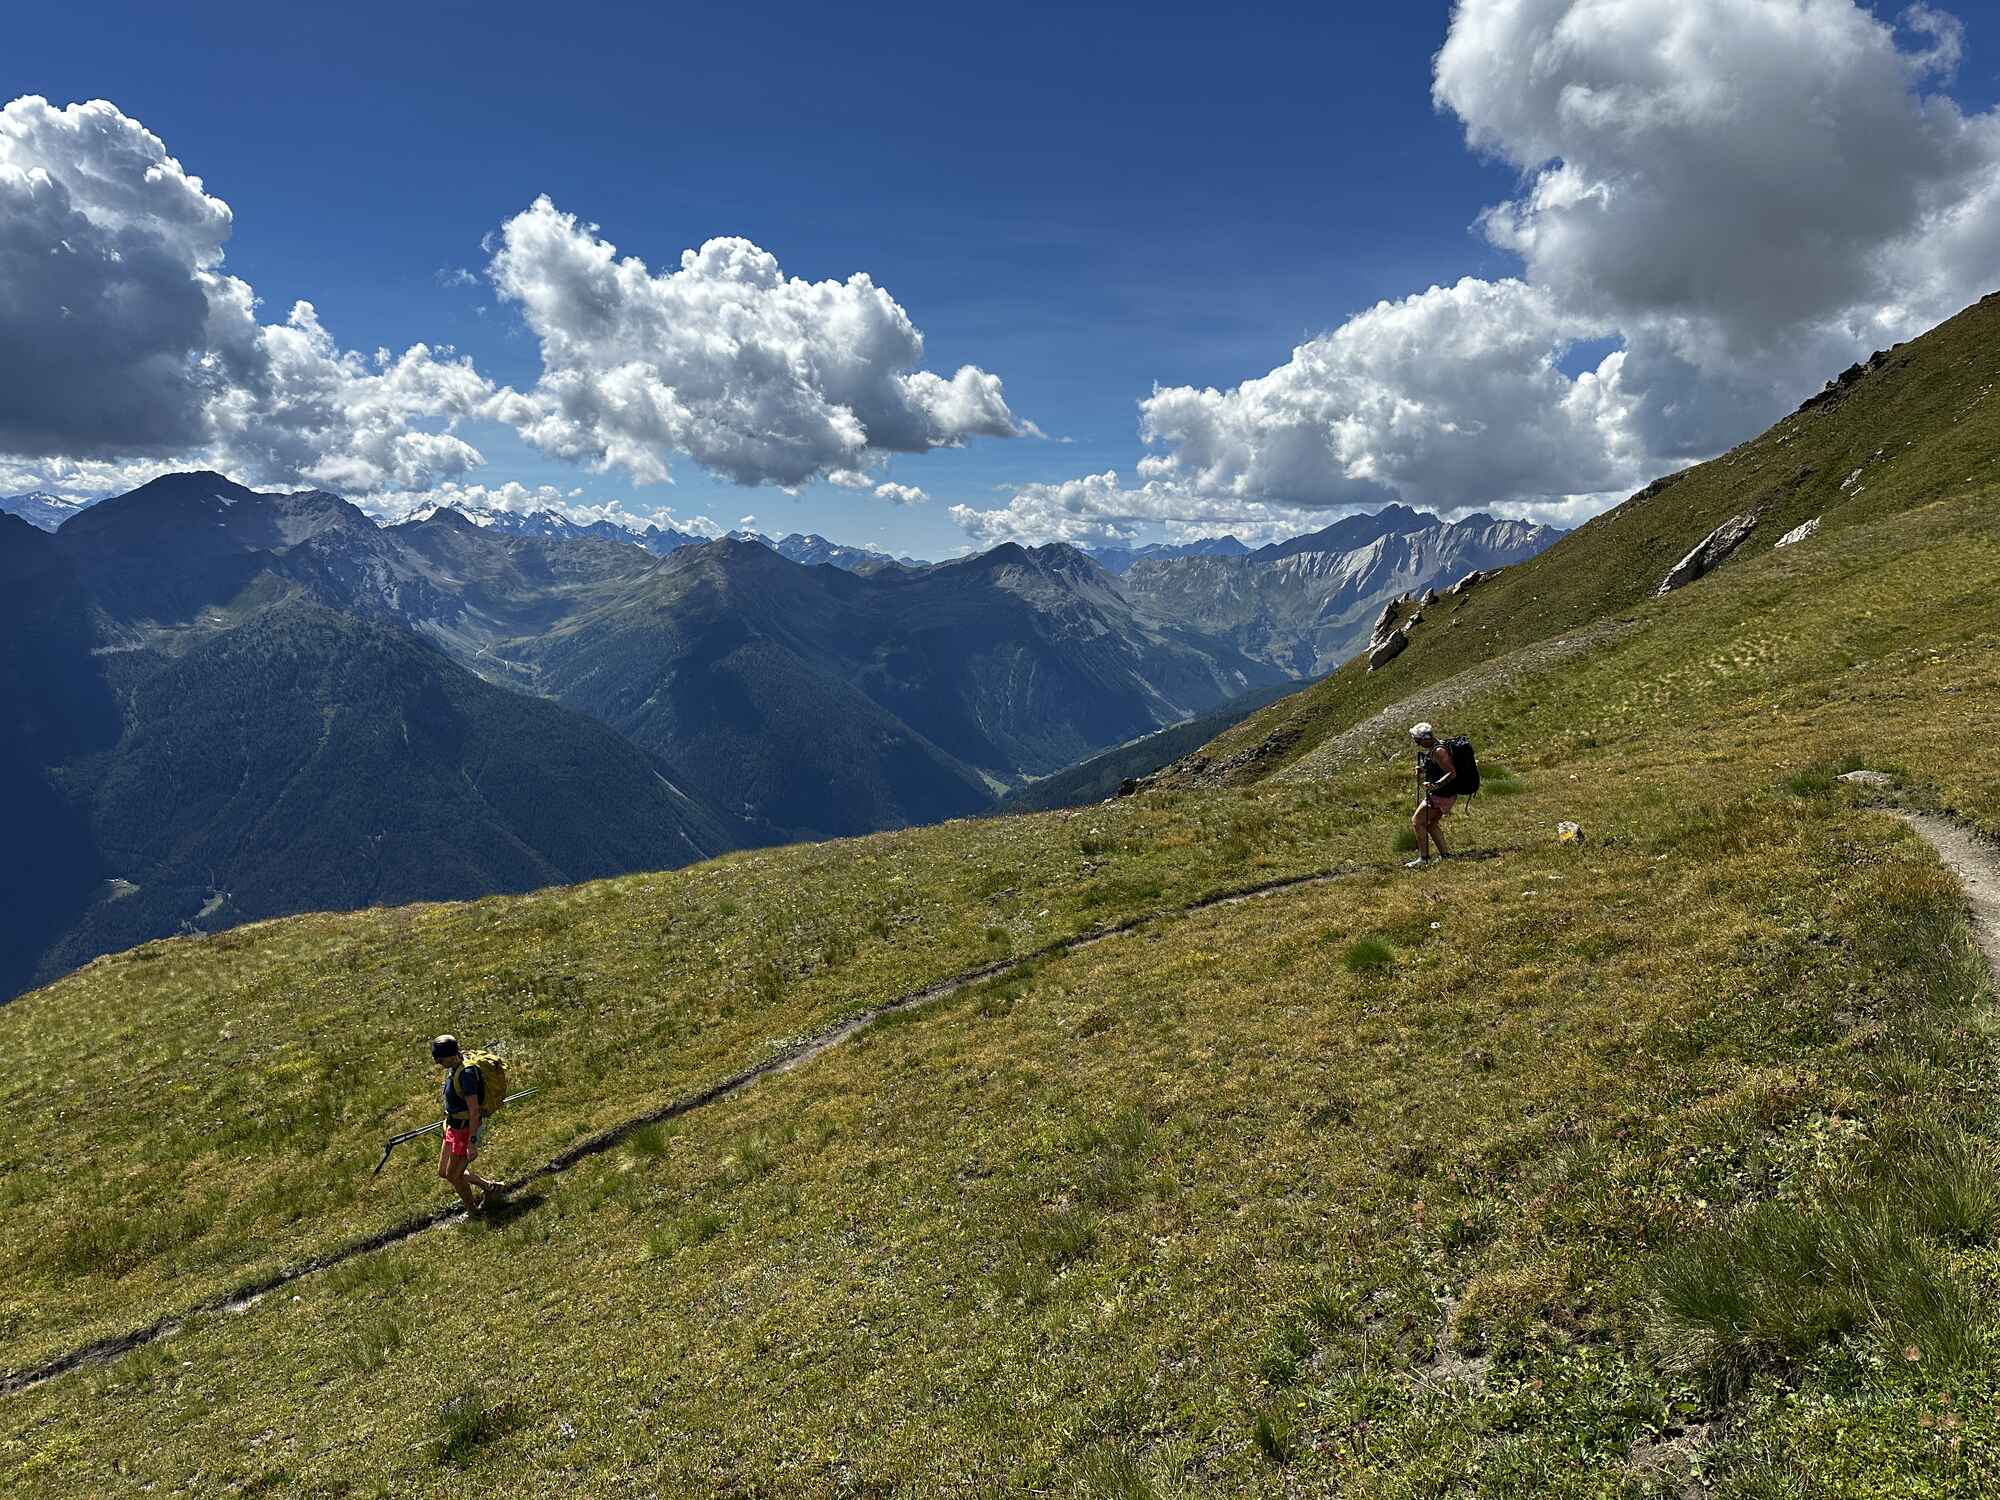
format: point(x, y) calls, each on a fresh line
point(1421, 731)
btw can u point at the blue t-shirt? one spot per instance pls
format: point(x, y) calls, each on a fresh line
point(465, 1082)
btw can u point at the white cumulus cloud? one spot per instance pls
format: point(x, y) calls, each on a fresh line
point(758, 377)
point(1742, 195)
point(900, 494)
point(113, 293)
point(1752, 193)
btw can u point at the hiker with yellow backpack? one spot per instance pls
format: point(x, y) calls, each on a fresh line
point(475, 1084)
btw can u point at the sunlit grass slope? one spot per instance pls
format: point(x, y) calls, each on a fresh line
point(1921, 425)
point(1404, 1185)
point(1460, 1182)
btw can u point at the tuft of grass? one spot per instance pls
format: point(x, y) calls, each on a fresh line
point(1367, 956)
point(767, 982)
point(1405, 840)
point(1949, 1188)
point(466, 1422)
point(650, 1141)
point(136, 1371)
point(1821, 778)
point(1285, 1352)
point(388, 1272)
point(696, 1227)
point(1112, 1175)
point(1775, 1284)
point(375, 1342)
point(753, 1157)
point(1275, 1435)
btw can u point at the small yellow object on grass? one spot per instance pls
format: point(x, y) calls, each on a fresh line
point(1569, 833)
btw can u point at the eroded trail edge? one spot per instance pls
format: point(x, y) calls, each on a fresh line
point(1976, 863)
point(784, 1060)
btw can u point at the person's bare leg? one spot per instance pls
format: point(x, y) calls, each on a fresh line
point(1437, 836)
point(473, 1177)
point(1420, 821)
point(452, 1170)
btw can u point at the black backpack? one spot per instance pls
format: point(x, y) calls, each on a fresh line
point(1464, 768)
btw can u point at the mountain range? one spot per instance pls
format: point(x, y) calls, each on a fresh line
point(1307, 605)
point(1121, 559)
point(41, 509)
point(798, 547)
point(196, 739)
point(232, 704)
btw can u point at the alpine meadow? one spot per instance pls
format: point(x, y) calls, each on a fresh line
point(946, 991)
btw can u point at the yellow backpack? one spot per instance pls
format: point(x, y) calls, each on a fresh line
point(493, 1074)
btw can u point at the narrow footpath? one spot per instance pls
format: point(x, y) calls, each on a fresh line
point(1973, 859)
point(102, 1351)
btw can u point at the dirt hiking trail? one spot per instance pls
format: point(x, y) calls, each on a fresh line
point(1974, 860)
point(796, 1055)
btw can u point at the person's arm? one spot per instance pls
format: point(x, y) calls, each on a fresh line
point(1443, 784)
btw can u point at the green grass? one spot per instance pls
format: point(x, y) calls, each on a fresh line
point(1368, 956)
point(1495, 1179)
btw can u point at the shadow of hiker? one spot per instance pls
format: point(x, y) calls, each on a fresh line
point(502, 1211)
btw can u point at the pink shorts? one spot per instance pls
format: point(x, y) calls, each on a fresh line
point(1442, 804)
point(459, 1139)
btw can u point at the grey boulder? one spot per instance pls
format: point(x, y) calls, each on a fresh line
point(1710, 553)
point(1387, 650)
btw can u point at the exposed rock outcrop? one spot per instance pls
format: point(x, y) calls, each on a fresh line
point(1709, 553)
point(1468, 583)
point(1385, 623)
point(1800, 533)
point(1388, 650)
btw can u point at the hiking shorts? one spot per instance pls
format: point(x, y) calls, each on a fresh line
point(460, 1139)
point(1442, 804)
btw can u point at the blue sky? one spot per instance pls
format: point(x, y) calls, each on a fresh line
point(1086, 203)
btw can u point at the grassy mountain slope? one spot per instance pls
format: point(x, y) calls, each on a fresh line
point(1510, 1178)
point(1916, 427)
point(1155, 1215)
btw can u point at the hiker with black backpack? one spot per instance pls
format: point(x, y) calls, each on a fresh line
point(474, 1087)
point(1447, 771)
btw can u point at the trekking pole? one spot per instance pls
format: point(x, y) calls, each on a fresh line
point(410, 1135)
